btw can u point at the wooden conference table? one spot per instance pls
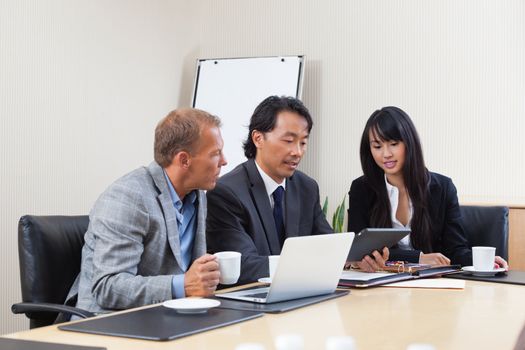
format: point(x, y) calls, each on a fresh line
point(482, 316)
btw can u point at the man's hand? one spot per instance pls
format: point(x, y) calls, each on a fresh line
point(434, 259)
point(202, 277)
point(368, 264)
point(500, 262)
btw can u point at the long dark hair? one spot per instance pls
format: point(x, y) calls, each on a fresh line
point(393, 124)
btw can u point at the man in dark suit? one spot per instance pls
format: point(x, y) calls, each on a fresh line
point(241, 207)
point(264, 200)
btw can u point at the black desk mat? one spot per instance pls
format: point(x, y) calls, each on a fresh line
point(18, 344)
point(278, 307)
point(160, 323)
point(510, 277)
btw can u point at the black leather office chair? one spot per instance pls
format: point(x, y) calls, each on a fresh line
point(487, 226)
point(50, 251)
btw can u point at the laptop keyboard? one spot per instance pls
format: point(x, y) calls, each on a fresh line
point(257, 295)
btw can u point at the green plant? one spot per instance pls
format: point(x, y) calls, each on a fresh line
point(338, 217)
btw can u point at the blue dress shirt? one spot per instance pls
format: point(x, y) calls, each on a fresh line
point(185, 211)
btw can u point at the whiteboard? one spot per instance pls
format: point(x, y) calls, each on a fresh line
point(231, 88)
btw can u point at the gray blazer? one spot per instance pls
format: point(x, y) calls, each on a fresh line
point(132, 247)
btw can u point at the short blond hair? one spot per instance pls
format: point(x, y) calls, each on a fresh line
point(180, 131)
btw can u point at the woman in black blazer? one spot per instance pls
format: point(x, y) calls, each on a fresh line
point(397, 190)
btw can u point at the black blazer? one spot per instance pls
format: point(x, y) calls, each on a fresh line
point(240, 217)
point(447, 234)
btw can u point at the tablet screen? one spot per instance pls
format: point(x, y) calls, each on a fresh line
point(370, 239)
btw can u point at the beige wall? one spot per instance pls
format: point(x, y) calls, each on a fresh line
point(455, 66)
point(82, 84)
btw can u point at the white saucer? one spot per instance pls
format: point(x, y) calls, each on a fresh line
point(265, 280)
point(191, 305)
point(471, 270)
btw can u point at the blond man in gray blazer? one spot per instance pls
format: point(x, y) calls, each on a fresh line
point(146, 237)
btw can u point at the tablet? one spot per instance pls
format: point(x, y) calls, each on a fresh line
point(370, 239)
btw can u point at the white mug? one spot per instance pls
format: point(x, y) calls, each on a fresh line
point(483, 258)
point(250, 346)
point(229, 266)
point(420, 346)
point(289, 342)
point(273, 260)
point(340, 343)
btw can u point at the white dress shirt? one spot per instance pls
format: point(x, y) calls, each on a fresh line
point(270, 184)
point(393, 196)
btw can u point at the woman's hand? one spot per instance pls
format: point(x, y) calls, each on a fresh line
point(367, 264)
point(434, 259)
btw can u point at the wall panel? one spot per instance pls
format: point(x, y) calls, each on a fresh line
point(82, 86)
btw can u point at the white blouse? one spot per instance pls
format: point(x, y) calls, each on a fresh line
point(393, 196)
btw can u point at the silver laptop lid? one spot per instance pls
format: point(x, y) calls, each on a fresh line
point(309, 265)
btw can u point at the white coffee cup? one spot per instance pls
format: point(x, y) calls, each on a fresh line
point(273, 260)
point(420, 346)
point(289, 342)
point(229, 266)
point(340, 343)
point(483, 258)
point(250, 346)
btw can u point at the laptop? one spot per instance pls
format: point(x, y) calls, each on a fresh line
point(308, 266)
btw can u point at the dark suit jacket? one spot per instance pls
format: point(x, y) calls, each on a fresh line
point(447, 234)
point(240, 217)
